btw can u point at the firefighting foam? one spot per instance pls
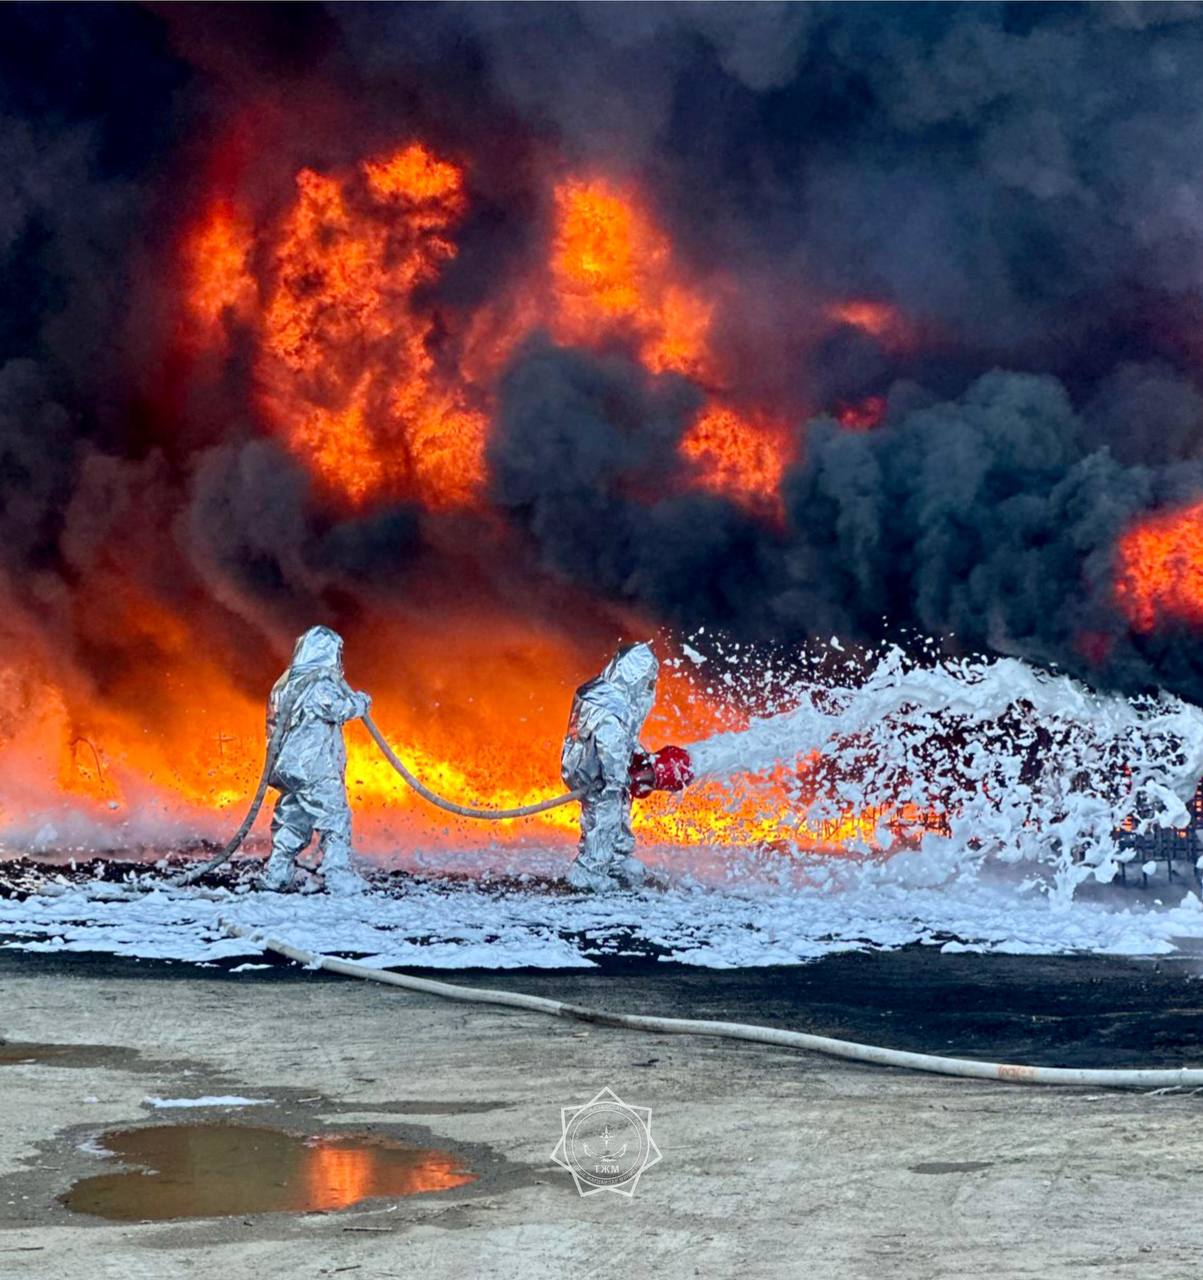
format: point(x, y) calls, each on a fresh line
point(493, 348)
point(984, 760)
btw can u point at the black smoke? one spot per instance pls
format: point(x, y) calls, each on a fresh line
point(989, 521)
point(1020, 180)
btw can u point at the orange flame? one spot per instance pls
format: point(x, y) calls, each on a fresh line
point(1160, 569)
point(733, 456)
point(862, 415)
point(384, 395)
point(349, 364)
point(614, 277)
point(356, 370)
point(216, 256)
point(880, 320)
point(612, 270)
point(176, 745)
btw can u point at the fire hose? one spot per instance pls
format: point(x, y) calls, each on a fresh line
point(969, 1068)
point(269, 763)
point(463, 810)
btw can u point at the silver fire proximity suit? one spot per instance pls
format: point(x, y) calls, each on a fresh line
point(312, 701)
point(603, 735)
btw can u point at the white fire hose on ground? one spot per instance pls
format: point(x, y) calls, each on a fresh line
point(1173, 1078)
point(1184, 1077)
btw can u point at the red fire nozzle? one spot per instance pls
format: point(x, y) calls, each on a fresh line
point(669, 769)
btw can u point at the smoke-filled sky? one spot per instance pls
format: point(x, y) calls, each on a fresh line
point(941, 266)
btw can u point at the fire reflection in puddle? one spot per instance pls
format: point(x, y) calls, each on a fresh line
point(203, 1171)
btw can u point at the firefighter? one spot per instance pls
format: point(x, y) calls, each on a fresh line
point(310, 703)
point(602, 754)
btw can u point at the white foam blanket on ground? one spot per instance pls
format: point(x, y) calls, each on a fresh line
point(210, 1100)
point(467, 927)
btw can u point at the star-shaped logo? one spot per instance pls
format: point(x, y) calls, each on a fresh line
point(606, 1144)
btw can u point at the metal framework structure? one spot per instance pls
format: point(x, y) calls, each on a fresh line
point(1175, 846)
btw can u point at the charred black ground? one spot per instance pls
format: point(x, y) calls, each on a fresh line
point(1085, 1011)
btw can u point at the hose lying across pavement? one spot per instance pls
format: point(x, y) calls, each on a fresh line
point(1183, 1077)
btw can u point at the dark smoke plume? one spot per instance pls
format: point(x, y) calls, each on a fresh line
point(1020, 180)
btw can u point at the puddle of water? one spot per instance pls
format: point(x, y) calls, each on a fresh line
point(13, 1052)
point(21, 1052)
point(218, 1170)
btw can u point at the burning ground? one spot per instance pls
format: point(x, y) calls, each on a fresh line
point(490, 334)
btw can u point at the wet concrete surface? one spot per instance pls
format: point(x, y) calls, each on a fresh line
point(18, 1052)
point(775, 1163)
point(207, 1170)
point(1058, 1010)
